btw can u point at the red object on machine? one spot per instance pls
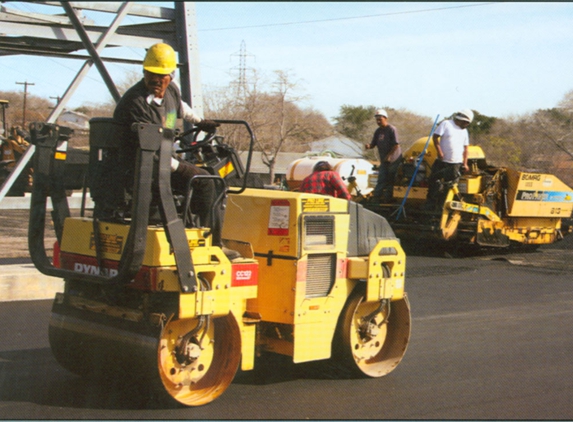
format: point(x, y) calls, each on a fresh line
point(56, 257)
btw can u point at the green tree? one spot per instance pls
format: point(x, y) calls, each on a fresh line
point(358, 123)
point(355, 122)
point(481, 124)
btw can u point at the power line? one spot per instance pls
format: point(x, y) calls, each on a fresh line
point(347, 18)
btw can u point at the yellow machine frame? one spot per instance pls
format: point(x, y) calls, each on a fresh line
point(497, 206)
point(299, 257)
point(316, 277)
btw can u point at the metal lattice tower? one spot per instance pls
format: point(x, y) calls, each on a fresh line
point(67, 34)
point(241, 82)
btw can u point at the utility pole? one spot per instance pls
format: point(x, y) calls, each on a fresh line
point(58, 99)
point(25, 95)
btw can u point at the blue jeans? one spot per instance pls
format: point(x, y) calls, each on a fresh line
point(386, 175)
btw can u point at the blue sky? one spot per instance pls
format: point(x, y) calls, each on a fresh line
point(500, 59)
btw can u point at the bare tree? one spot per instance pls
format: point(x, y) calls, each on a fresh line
point(37, 108)
point(545, 138)
point(541, 141)
point(229, 103)
point(282, 123)
point(130, 78)
point(275, 114)
point(410, 126)
point(556, 124)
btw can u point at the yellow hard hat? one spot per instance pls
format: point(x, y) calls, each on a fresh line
point(160, 59)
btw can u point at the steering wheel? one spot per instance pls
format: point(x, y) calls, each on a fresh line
point(195, 142)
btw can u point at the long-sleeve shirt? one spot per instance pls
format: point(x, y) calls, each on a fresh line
point(139, 106)
point(325, 183)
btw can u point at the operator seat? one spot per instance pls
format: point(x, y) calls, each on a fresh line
point(106, 178)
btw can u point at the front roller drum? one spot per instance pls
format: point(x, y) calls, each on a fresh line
point(372, 337)
point(197, 369)
point(97, 346)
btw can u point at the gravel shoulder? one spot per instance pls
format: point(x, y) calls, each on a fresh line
point(14, 236)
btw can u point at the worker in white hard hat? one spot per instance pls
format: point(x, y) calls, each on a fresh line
point(451, 140)
point(156, 99)
point(386, 140)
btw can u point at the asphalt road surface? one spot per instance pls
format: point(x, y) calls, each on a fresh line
point(491, 339)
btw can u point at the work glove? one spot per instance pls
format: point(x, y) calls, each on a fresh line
point(208, 125)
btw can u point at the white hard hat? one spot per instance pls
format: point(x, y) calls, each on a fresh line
point(381, 112)
point(466, 115)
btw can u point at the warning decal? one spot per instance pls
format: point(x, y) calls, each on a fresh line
point(110, 243)
point(279, 218)
point(315, 205)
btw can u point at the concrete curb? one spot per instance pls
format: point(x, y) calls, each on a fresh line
point(25, 282)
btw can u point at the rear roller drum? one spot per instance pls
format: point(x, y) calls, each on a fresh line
point(198, 359)
point(372, 337)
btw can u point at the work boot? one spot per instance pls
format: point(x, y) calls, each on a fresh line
point(231, 254)
point(372, 200)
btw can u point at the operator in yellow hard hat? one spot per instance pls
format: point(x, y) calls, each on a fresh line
point(157, 100)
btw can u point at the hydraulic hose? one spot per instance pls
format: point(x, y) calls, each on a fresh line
point(420, 159)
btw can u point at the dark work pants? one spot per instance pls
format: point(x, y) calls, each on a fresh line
point(384, 189)
point(202, 199)
point(442, 173)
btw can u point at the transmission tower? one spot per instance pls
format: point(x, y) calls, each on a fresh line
point(241, 82)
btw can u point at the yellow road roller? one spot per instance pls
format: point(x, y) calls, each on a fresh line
point(149, 297)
